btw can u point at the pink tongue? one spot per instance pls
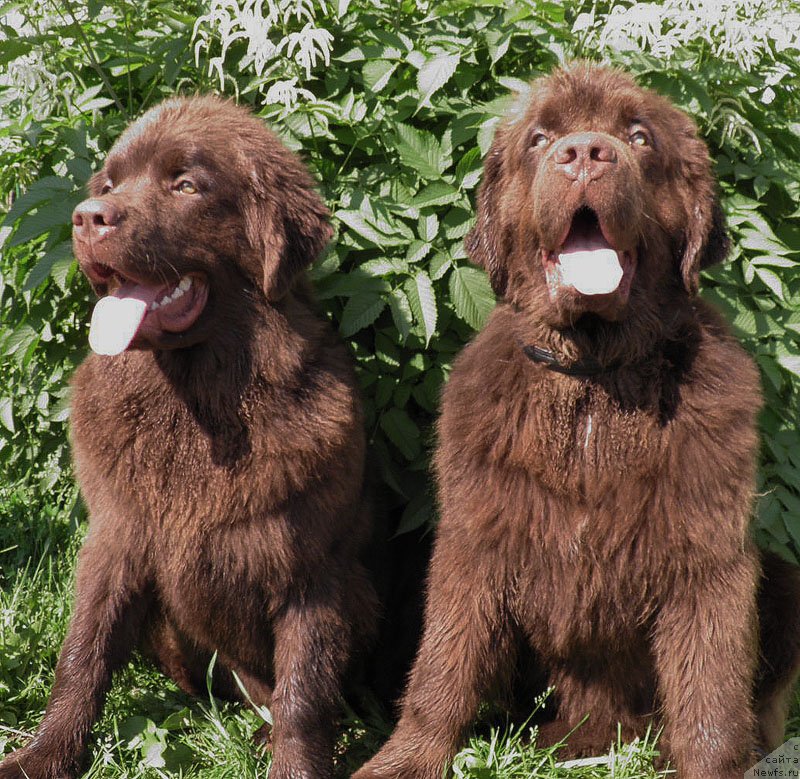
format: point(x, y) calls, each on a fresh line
point(116, 318)
point(590, 265)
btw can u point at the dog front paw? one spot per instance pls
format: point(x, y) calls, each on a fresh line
point(380, 768)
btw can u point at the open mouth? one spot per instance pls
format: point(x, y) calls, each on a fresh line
point(131, 311)
point(587, 263)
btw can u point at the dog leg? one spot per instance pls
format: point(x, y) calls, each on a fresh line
point(110, 605)
point(779, 620)
point(466, 641)
point(312, 647)
point(705, 649)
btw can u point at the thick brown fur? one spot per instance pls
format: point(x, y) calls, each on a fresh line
point(222, 469)
point(602, 522)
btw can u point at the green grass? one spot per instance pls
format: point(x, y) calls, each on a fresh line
point(149, 728)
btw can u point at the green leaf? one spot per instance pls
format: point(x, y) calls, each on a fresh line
point(356, 54)
point(750, 239)
point(88, 101)
point(384, 389)
point(12, 48)
point(457, 223)
point(516, 85)
point(418, 511)
point(438, 193)
point(153, 752)
point(745, 323)
point(60, 410)
point(777, 262)
point(401, 431)
point(469, 168)
point(439, 265)
point(793, 527)
point(401, 313)
point(428, 227)
point(361, 225)
point(7, 414)
point(49, 215)
point(360, 312)
point(434, 74)
point(323, 266)
point(472, 296)
point(41, 191)
point(386, 350)
point(132, 729)
point(383, 266)
point(349, 284)
point(791, 362)
point(418, 250)
point(791, 502)
point(59, 254)
point(497, 42)
point(420, 151)
point(376, 74)
point(486, 134)
point(772, 280)
point(381, 218)
point(422, 300)
point(21, 338)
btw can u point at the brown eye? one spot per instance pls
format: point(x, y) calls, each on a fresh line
point(539, 141)
point(638, 138)
point(107, 187)
point(186, 187)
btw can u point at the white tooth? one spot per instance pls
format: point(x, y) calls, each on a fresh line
point(177, 293)
point(166, 300)
point(154, 305)
point(186, 282)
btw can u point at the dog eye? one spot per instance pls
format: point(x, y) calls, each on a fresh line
point(638, 138)
point(539, 141)
point(107, 187)
point(186, 187)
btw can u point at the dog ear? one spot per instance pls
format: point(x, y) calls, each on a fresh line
point(705, 238)
point(483, 243)
point(287, 222)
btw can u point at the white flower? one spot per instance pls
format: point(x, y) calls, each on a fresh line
point(286, 92)
point(741, 31)
point(31, 87)
point(310, 42)
point(274, 53)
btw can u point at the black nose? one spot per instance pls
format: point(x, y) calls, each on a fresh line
point(94, 219)
point(584, 156)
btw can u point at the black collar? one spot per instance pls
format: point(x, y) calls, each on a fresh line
point(588, 366)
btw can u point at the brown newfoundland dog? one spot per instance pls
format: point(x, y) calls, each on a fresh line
point(597, 454)
point(217, 440)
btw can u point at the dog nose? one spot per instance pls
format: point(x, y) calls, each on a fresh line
point(94, 219)
point(584, 156)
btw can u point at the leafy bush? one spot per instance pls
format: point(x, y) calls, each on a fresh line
point(393, 105)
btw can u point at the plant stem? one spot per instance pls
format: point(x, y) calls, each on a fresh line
point(87, 46)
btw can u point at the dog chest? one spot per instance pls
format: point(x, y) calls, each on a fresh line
point(138, 444)
point(580, 442)
point(220, 587)
point(592, 575)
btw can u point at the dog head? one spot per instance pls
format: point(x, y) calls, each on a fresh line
point(595, 193)
point(198, 207)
